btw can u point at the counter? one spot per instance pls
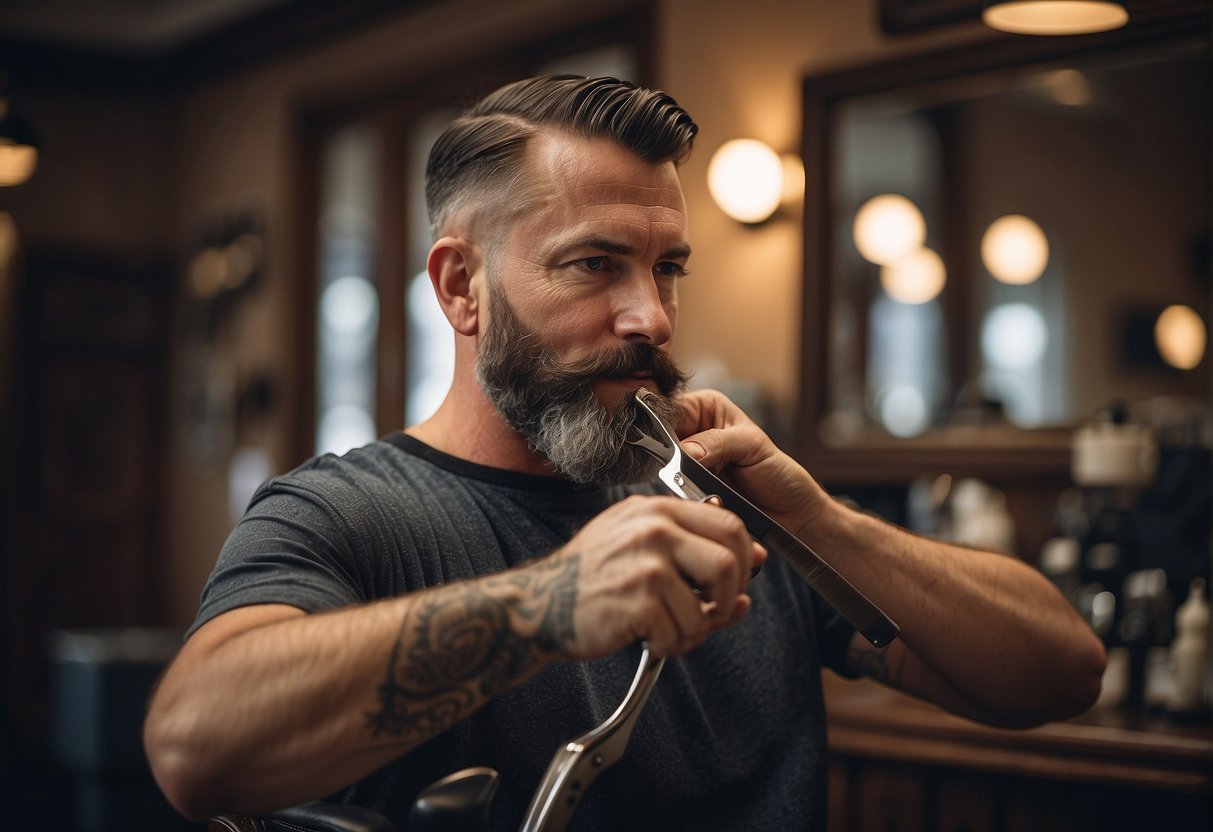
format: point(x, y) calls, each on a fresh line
point(898, 763)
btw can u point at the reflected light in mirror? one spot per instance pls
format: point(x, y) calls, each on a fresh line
point(1054, 17)
point(887, 228)
point(903, 410)
point(1015, 250)
point(1013, 336)
point(915, 278)
point(344, 427)
point(208, 272)
point(745, 178)
point(1180, 336)
point(1069, 87)
point(350, 306)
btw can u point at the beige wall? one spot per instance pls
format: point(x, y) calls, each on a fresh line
point(738, 70)
point(740, 74)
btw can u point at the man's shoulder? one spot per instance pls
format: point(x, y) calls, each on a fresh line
point(379, 468)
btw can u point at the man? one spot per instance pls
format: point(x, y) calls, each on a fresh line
point(472, 590)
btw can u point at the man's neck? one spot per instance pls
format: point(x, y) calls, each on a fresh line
point(467, 426)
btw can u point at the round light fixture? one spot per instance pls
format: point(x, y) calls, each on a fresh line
point(745, 177)
point(1181, 336)
point(1054, 17)
point(1015, 250)
point(916, 278)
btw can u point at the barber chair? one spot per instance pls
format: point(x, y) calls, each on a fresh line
point(457, 803)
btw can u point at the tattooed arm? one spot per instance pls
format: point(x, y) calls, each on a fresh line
point(266, 706)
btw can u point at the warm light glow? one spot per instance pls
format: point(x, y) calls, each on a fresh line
point(1069, 87)
point(1055, 17)
point(1015, 250)
point(208, 272)
point(887, 228)
point(1181, 336)
point(745, 177)
point(793, 178)
point(17, 162)
point(915, 278)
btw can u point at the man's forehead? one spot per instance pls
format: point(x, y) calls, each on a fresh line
point(613, 192)
point(602, 170)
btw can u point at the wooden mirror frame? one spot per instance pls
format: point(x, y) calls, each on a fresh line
point(999, 455)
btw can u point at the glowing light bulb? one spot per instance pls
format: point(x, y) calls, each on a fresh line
point(916, 278)
point(887, 228)
point(745, 177)
point(1015, 250)
point(1055, 17)
point(1181, 337)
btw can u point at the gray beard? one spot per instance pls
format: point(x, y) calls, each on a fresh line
point(553, 406)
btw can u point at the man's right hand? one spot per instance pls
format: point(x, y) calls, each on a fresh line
point(661, 569)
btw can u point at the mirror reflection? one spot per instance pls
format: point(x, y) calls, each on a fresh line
point(1021, 246)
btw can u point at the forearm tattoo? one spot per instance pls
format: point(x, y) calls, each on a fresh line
point(468, 642)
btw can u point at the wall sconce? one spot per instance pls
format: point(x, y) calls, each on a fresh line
point(18, 147)
point(750, 181)
point(1054, 17)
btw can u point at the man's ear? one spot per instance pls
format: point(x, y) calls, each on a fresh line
point(454, 265)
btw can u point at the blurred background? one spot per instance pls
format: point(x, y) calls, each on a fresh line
point(965, 279)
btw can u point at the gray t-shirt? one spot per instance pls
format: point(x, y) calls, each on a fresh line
point(733, 735)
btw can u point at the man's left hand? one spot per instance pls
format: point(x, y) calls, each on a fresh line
point(718, 435)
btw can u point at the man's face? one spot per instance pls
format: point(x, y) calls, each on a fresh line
point(581, 306)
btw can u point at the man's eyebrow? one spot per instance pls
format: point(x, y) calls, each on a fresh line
point(678, 252)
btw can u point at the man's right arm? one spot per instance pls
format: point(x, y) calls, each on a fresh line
point(266, 706)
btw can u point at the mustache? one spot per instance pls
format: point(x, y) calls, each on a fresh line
point(616, 362)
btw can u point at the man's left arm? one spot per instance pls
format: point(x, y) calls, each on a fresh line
point(983, 635)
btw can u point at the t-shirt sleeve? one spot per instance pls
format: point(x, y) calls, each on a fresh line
point(290, 547)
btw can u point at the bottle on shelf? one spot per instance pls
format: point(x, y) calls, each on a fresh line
point(1190, 653)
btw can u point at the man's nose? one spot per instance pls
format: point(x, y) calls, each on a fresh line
point(640, 314)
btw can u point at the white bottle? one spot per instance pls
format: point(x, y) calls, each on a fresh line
point(1190, 650)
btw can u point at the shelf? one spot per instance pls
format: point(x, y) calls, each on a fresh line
point(1103, 746)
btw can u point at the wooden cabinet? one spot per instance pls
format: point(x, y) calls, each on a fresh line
point(899, 765)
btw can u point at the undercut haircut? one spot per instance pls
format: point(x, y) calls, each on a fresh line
point(480, 156)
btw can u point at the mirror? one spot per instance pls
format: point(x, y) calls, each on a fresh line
point(1001, 240)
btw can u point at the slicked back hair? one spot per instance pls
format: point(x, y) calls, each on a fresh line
point(480, 155)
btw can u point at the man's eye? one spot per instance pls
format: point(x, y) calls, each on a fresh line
point(595, 264)
point(671, 270)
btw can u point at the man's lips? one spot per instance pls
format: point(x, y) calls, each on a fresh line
point(625, 384)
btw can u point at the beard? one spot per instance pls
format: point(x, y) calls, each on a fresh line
point(552, 403)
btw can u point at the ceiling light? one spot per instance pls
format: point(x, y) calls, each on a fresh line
point(1054, 17)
